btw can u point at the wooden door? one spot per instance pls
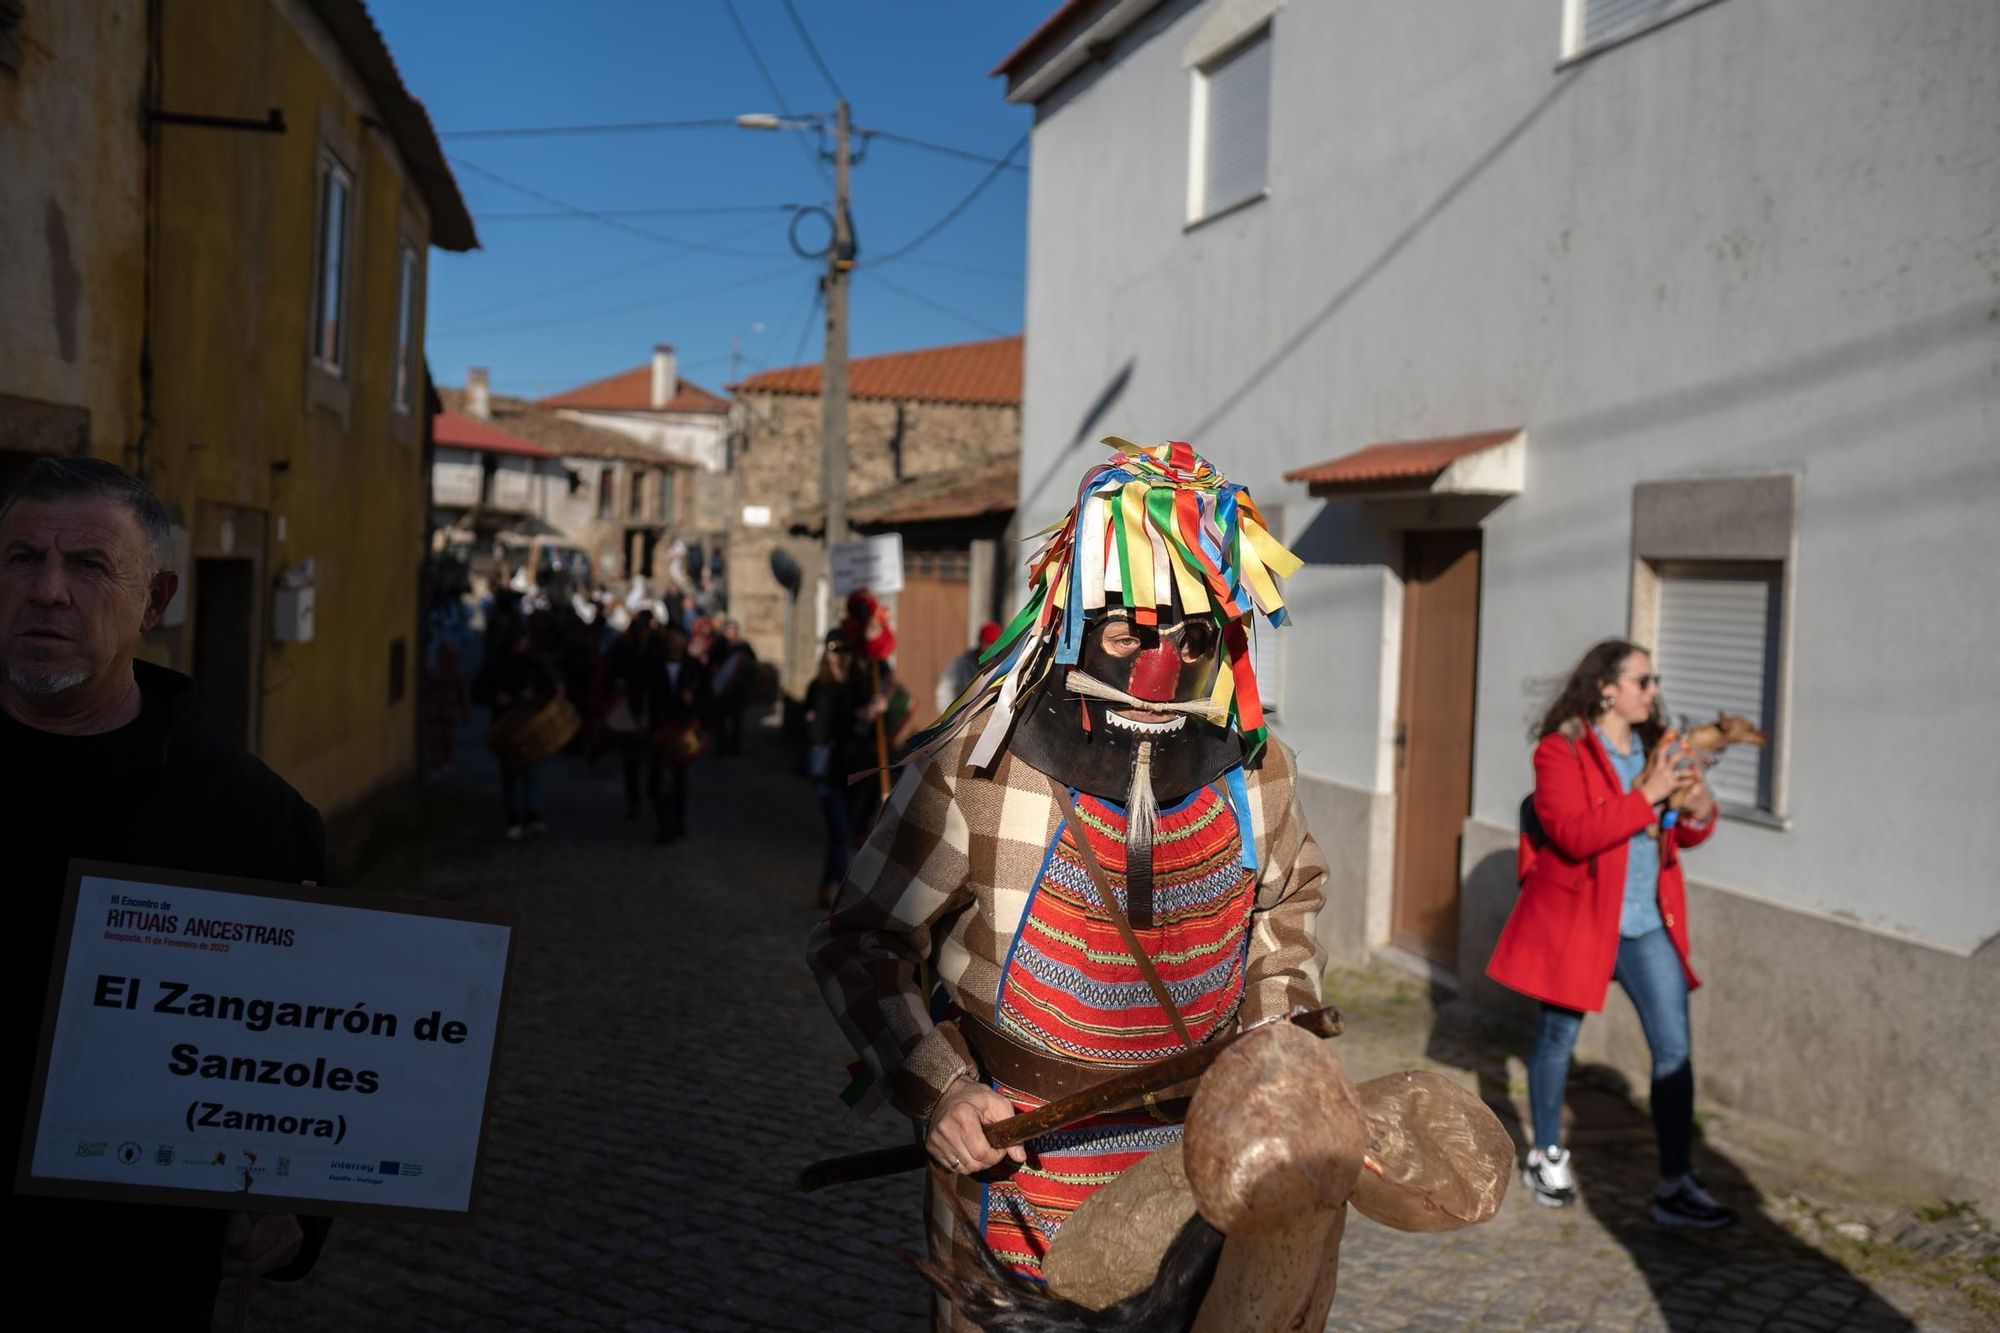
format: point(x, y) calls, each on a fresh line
point(1434, 737)
point(931, 615)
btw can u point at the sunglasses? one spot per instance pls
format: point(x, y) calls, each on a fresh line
point(1646, 681)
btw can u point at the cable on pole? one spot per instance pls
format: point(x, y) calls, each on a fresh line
point(813, 50)
point(941, 308)
point(954, 211)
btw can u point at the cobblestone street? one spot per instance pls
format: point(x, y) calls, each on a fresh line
point(667, 1067)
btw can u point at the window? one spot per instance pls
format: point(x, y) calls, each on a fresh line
point(406, 326)
point(666, 497)
point(1231, 129)
point(1589, 25)
point(1717, 651)
point(635, 499)
point(604, 475)
point(1712, 581)
point(329, 331)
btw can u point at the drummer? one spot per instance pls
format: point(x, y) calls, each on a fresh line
point(520, 677)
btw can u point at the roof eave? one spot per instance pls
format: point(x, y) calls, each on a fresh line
point(1066, 42)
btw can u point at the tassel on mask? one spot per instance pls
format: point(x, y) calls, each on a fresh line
point(1142, 818)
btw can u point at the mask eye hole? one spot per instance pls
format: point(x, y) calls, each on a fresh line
point(1197, 639)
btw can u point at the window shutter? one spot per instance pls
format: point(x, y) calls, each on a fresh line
point(1608, 20)
point(1238, 132)
point(1717, 652)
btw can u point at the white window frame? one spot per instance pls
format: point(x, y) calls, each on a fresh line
point(1573, 46)
point(1198, 210)
point(402, 391)
point(1769, 806)
point(635, 498)
point(333, 361)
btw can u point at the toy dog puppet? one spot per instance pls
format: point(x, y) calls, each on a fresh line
point(1238, 1228)
point(1707, 742)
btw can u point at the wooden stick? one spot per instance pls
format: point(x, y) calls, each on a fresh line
point(240, 1323)
point(881, 736)
point(1114, 1093)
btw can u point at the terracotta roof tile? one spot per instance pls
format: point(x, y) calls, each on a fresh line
point(1034, 41)
point(558, 434)
point(632, 391)
point(988, 488)
point(1399, 461)
point(986, 372)
point(462, 432)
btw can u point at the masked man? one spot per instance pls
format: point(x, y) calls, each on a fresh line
point(1113, 748)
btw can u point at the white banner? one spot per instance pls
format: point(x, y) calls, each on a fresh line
point(874, 563)
point(246, 1045)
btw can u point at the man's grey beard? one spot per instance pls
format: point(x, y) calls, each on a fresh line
point(41, 681)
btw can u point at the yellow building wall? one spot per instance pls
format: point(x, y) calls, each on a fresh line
point(72, 168)
point(234, 423)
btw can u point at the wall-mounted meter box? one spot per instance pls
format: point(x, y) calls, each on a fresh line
point(292, 615)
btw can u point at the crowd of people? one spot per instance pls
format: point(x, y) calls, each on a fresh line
point(655, 681)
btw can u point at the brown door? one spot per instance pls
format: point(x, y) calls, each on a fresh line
point(1434, 737)
point(930, 623)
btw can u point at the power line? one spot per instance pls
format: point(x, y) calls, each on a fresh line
point(564, 289)
point(1011, 275)
point(626, 127)
point(944, 148)
point(624, 308)
point(921, 299)
point(813, 51)
point(811, 151)
point(604, 219)
point(955, 210)
point(805, 330)
point(646, 212)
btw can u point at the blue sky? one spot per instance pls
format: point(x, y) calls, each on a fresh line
point(549, 303)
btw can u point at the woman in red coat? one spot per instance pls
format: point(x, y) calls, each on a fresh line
point(1602, 898)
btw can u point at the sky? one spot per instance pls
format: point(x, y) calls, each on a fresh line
point(552, 302)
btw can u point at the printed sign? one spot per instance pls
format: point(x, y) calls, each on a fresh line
point(874, 563)
point(235, 1044)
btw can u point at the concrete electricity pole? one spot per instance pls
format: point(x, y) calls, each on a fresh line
point(833, 380)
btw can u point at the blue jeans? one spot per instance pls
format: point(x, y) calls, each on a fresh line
point(834, 808)
point(1649, 969)
point(522, 791)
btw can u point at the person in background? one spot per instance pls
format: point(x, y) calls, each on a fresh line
point(626, 681)
point(106, 758)
point(674, 689)
point(1602, 899)
point(520, 678)
point(733, 673)
point(836, 733)
point(959, 672)
point(447, 702)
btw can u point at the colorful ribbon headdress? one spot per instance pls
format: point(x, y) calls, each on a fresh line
point(1148, 524)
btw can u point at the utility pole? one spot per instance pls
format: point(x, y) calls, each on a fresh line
point(833, 373)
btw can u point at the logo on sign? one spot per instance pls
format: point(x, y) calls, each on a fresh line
point(284, 1166)
point(129, 1153)
point(389, 1169)
point(85, 1148)
point(164, 1154)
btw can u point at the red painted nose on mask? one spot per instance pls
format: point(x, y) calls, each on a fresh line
point(1156, 673)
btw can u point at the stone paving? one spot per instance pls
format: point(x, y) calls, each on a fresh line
point(667, 1066)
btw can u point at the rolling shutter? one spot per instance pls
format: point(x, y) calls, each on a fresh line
point(1718, 653)
point(1238, 129)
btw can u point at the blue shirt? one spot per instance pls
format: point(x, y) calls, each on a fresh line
point(1641, 913)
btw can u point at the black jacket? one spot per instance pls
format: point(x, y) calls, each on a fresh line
point(164, 791)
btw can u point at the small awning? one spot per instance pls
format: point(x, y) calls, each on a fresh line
point(1492, 462)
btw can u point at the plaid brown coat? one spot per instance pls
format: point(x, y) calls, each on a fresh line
point(947, 874)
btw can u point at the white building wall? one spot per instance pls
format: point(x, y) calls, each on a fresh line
point(694, 437)
point(455, 475)
point(1759, 239)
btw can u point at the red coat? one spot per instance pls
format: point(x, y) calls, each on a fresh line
point(1561, 943)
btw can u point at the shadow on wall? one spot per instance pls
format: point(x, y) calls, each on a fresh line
point(1743, 1276)
point(1086, 428)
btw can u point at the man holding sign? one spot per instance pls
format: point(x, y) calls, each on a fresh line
point(107, 759)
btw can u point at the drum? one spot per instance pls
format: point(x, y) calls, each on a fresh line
point(529, 733)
